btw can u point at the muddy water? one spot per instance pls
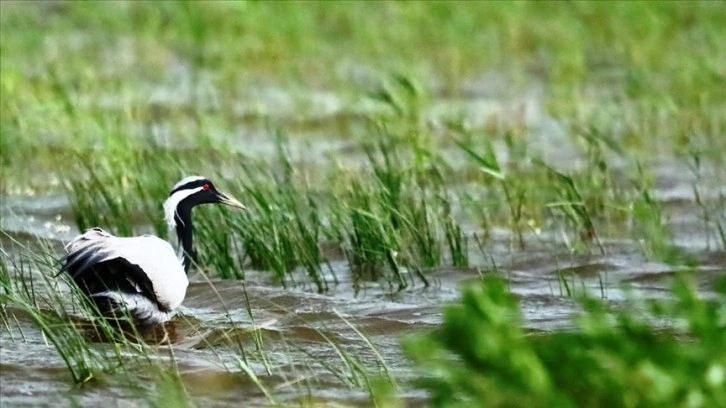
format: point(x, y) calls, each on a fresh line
point(298, 327)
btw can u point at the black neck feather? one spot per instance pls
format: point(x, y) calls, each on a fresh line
point(184, 230)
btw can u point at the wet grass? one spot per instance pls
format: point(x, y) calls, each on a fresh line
point(347, 139)
point(31, 291)
point(146, 364)
point(407, 200)
point(391, 215)
point(384, 218)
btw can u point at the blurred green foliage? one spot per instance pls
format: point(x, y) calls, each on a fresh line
point(613, 357)
point(88, 73)
point(671, 47)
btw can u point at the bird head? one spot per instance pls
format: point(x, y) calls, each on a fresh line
point(192, 191)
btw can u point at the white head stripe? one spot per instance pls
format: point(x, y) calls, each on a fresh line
point(186, 180)
point(172, 203)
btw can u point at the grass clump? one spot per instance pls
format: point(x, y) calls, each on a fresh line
point(394, 212)
point(32, 293)
point(481, 356)
point(283, 229)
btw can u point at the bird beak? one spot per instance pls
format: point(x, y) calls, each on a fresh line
point(231, 202)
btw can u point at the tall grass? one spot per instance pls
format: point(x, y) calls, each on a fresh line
point(390, 215)
point(32, 292)
point(402, 207)
point(94, 350)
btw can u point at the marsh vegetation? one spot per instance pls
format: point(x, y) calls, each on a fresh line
point(551, 176)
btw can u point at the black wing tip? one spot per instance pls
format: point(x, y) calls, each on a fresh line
point(63, 264)
point(112, 305)
point(76, 262)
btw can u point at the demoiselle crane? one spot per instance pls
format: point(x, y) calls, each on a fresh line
point(141, 277)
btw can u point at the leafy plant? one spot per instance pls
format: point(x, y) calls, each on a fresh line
point(481, 356)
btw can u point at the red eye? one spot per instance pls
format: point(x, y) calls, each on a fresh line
point(205, 187)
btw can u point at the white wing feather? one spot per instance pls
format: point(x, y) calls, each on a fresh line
point(152, 254)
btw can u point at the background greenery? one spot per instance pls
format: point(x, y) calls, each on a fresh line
point(397, 136)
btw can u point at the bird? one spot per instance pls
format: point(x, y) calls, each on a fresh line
point(141, 277)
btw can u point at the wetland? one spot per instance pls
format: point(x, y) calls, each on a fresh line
point(448, 205)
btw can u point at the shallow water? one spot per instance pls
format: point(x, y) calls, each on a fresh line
point(299, 327)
